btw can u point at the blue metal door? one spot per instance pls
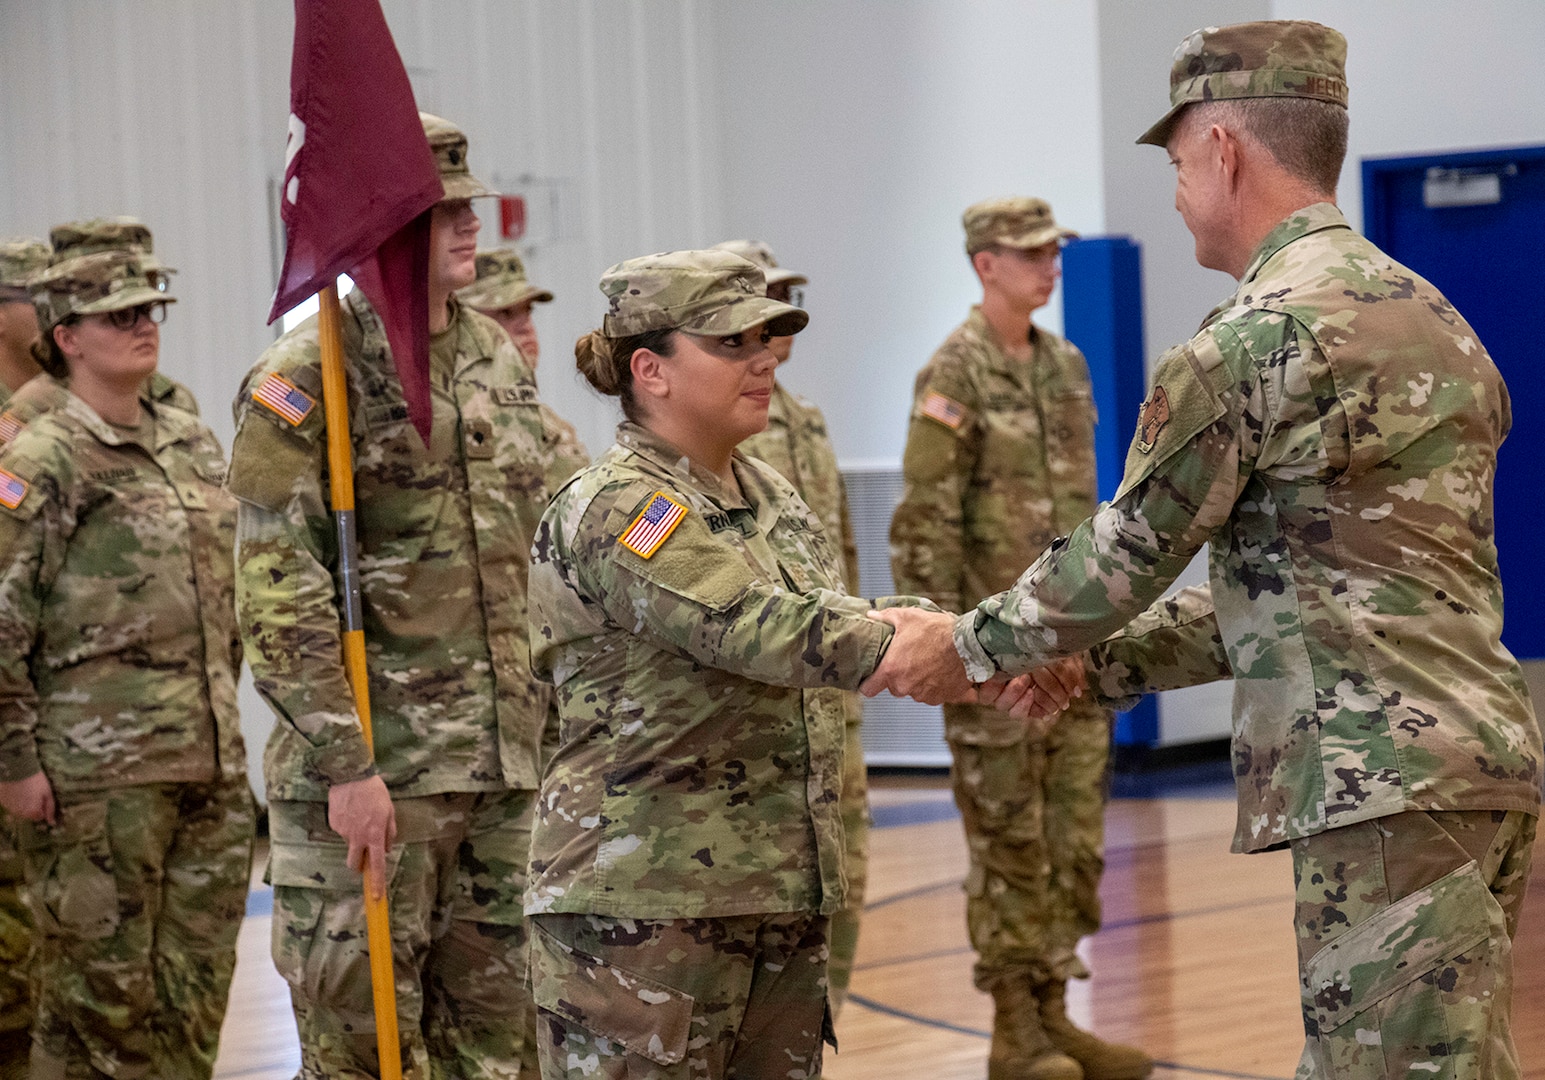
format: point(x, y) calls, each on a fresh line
point(1474, 225)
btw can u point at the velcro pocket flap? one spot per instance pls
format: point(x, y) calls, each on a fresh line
point(311, 864)
point(1399, 945)
point(646, 1017)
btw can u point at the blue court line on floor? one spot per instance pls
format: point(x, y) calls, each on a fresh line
point(922, 812)
point(260, 901)
point(978, 1033)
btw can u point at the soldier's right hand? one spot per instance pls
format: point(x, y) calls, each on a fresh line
point(31, 799)
point(361, 812)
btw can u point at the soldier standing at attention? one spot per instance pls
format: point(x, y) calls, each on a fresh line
point(445, 804)
point(795, 443)
point(999, 462)
point(687, 850)
point(1332, 433)
point(20, 259)
point(120, 746)
point(43, 391)
point(503, 293)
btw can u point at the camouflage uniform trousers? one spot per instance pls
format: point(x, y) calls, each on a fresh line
point(854, 807)
point(459, 941)
point(1405, 927)
point(1034, 817)
point(15, 948)
point(137, 894)
point(735, 998)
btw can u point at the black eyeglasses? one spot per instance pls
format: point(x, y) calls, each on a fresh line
point(127, 318)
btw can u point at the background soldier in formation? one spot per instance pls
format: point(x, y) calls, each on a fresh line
point(797, 445)
point(444, 808)
point(1331, 432)
point(120, 748)
point(999, 462)
point(20, 260)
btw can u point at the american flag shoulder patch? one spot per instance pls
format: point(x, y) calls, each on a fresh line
point(283, 397)
point(10, 427)
point(653, 525)
point(945, 410)
point(13, 489)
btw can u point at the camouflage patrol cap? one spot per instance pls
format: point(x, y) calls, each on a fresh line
point(1275, 58)
point(449, 144)
point(698, 292)
point(20, 259)
point(758, 252)
point(92, 284)
point(91, 235)
point(501, 283)
point(1013, 221)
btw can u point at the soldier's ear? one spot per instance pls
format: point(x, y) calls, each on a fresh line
point(649, 376)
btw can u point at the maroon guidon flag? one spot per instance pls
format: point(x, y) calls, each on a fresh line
point(359, 181)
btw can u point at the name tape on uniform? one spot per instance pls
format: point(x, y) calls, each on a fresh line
point(651, 528)
point(283, 397)
point(945, 410)
point(13, 489)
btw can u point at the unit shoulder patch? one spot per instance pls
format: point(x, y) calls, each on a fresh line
point(946, 410)
point(653, 526)
point(282, 397)
point(1155, 414)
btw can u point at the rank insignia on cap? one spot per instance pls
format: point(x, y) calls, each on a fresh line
point(10, 427)
point(285, 398)
point(1152, 419)
point(13, 489)
point(650, 529)
point(947, 411)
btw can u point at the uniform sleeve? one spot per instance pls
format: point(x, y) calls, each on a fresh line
point(849, 541)
point(23, 540)
point(927, 536)
point(287, 603)
point(1174, 643)
point(696, 595)
point(1197, 440)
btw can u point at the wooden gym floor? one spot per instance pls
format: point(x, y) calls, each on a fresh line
point(1195, 962)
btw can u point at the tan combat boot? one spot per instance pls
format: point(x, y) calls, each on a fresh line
point(1021, 1050)
point(1100, 1060)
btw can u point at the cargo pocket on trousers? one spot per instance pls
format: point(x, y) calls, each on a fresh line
point(645, 1017)
point(77, 895)
point(312, 880)
point(1407, 940)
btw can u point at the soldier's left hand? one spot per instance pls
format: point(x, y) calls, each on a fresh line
point(921, 662)
point(1037, 695)
point(31, 799)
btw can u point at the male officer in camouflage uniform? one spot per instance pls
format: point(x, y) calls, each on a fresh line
point(1332, 432)
point(795, 443)
point(119, 737)
point(504, 293)
point(20, 259)
point(445, 804)
point(47, 390)
point(999, 461)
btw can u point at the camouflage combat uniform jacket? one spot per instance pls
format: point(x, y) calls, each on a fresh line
point(701, 754)
point(796, 444)
point(44, 392)
point(118, 645)
point(999, 462)
point(1332, 430)
point(565, 454)
point(444, 535)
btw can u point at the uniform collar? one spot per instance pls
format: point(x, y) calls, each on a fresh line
point(172, 425)
point(1295, 226)
point(668, 457)
point(978, 322)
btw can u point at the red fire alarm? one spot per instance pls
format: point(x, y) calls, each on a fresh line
point(512, 216)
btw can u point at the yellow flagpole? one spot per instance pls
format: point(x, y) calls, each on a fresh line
point(340, 462)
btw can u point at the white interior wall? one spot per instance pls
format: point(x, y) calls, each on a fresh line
point(854, 134)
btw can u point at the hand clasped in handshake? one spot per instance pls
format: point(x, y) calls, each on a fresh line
point(923, 664)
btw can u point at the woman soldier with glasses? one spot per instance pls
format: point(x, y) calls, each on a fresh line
point(120, 749)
